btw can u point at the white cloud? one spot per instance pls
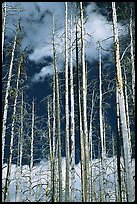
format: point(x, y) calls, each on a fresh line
point(48, 70)
point(37, 23)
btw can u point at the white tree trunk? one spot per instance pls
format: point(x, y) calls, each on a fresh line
point(80, 119)
point(118, 146)
point(21, 147)
point(3, 27)
point(127, 156)
point(132, 58)
point(72, 119)
point(84, 97)
point(32, 150)
point(127, 111)
point(12, 133)
point(58, 116)
point(6, 98)
point(82, 152)
point(90, 144)
point(51, 153)
point(67, 185)
point(101, 127)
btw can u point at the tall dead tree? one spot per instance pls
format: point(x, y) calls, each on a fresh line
point(118, 147)
point(3, 26)
point(72, 117)
point(101, 126)
point(51, 153)
point(12, 132)
point(67, 185)
point(80, 112)
point(132, 57)
point(6, 101)
point(32, 149)
point(90, 143)
point(57, 99)
point(126, 147)
point(84, 107)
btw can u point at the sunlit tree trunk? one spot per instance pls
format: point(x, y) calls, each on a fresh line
point(127, 110)
point(58, 116)
point(101, 126)
point(67, 185)
point(51, 153)
point(18, 196)
point(72, 118)
point(80, 116)
point(127, 156)
point(6, 101)
point(90, 142)
point(32, 150)
point(114, 172)
point(55, 163)
point(132, 57)
point(84, 108)
point(12, 132)
point(118, 147)
point(82, 157)
point(3, 26)
point(21, 146)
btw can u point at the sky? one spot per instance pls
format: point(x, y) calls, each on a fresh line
point(36, 20)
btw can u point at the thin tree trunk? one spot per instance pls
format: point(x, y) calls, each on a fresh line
point(118, 147)
point(82, 151)
point(101, 125)
point(90, 143)
point(6, 102)
point(3, 27)
point(127, 111)
point(54, 185)
point(129, 179)
point(80, 117)
point(32, 150)
point(12, 133)
point(51, 154)
point(67, 185)
point(72, 119)
point(84, 100)
point(115, 178)
point(58, 117)
point(21, 146)
point(132, 58)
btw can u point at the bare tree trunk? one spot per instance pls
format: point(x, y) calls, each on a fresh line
point(58, 117)
point(132, 58)
point(127, 111)
point(32, 151)
point(84, 97)
point(18, 196)
point(12, 133)
point(72, 119)
point(3, 27)
point(67, 185)
point(82, 151)
point(129, 179)
point(6, 97)
point(118, 147)
point(51, 154)
point(115, 177)
point(90, 144)
point(101, 126)
point(21, 146)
